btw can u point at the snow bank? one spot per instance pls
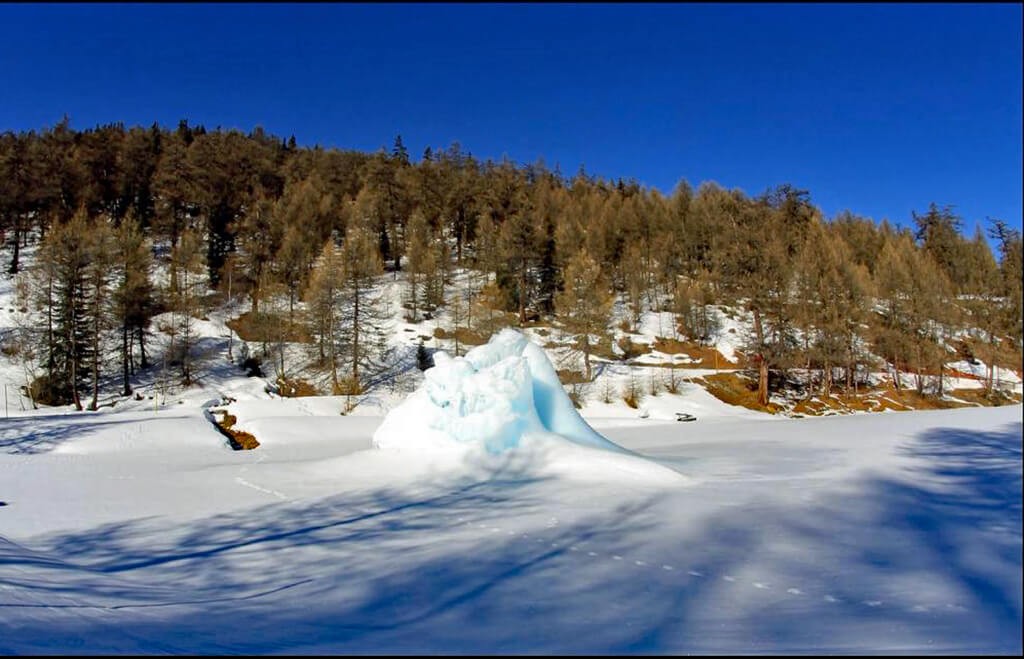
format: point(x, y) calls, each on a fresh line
point(496, 396)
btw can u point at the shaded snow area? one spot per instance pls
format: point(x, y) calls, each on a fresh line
point(140, 531)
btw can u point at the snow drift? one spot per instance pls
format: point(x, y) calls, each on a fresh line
point(498, 395)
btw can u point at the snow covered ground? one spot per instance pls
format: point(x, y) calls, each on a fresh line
point(136, 528)
point(140, 531)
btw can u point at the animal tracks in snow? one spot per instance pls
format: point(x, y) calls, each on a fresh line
point(664, 568)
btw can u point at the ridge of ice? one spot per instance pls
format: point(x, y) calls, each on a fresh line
point(497, 395)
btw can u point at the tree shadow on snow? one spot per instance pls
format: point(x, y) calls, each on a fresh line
point(926, 562)
point(31, 435)
point(929, 561)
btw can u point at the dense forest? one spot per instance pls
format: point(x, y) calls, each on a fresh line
point(127, 224)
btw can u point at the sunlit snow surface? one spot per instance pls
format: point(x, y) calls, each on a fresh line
point(497, 396)
point(137, 529)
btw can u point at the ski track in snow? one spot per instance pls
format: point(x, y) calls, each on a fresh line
point(242, 481)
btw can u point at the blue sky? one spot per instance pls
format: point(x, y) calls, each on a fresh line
point(875, 108)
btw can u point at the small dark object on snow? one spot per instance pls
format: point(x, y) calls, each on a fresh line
point(683, 416)
point(424, 358)
point(3, 503)
point(252, 368)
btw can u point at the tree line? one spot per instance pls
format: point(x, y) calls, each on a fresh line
point(134, 222)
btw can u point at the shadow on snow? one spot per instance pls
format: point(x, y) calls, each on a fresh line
point(929, 561)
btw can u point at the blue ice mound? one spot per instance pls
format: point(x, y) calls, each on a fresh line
point(496, 396)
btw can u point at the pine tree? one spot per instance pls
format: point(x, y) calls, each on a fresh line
point(692, 304)
point(634, 283)
point(21, 171)
point(421, 265)
point(518, 244)
point(584, 304)
point(360, 265)
point(133, 290)
point(980, 300)
point(1011, 270)
point(757, 267)
point(174, 187)
point(260, 235)
point(938, 233)
point(188, 262)
point(324, 300)
point(65, 259)
point(102, 258)
point(893, 281)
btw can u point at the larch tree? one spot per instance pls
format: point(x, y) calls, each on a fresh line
point(893, 282)
point(133, 302)
point(360, 265)
point(260, 234)
point(65, 260)
point(1011, 271)
point(421, 263)
point(103, 259)
point(584, 304)
point(187, 258)
point(323, 303)
point(980, 299)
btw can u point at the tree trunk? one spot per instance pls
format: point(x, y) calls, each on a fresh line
point(355, 338)
point(332, 352)
point(586, 354)
point(143, 363)
point(17, 247)
point(762, 364)
point(95, 348)
point(50, 342)
point(459, 231)
point(125, 356)
point(74, 368)
point(522, 295)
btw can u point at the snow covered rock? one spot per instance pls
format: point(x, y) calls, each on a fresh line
point(497, 396)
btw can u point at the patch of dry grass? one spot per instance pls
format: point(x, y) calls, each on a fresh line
point(239, 439)
point(465, 336)
point(568, 376)
point(295, 388)
point(268, 327)
point(739, 389)
point(707, 357)
point(736, 389)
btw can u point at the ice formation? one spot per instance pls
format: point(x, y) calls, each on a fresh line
point(497, 395)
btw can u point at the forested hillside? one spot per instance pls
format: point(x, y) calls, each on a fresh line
point(127, 225)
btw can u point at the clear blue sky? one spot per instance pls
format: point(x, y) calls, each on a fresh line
point(875, 108)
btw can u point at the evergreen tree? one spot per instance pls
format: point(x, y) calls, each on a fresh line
point(324, 301)
point(186, 299)
point(260, 235)
point(938, 233)
point(133, 292)
point(584, 304)
point(421, 265)
point(893, 281)
point(1011, 270)
point(65, 258)
point(20, 197)
point(102, 258)
point(360, 265)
